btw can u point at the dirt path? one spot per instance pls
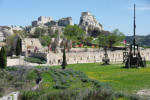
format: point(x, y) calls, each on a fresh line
point(144, 93)
point(11, 96)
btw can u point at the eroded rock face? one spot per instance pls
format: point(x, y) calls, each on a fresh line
point(4, 32)
point(65, 21)
point(89, 23)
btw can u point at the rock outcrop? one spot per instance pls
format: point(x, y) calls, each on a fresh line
point(42, 20)
point(4, 32)
point(48, 21)
point(89, 23)
point(65, 21)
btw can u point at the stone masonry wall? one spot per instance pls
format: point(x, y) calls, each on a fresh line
point(90, 57)
point(86, 57)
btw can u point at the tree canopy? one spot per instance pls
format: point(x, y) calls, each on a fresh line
point(45, 40)
point(3, 58)
point(39, 32)
point(111, 39)
point(74, 33)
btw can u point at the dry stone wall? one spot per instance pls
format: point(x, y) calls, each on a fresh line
point(90, 57)
point(86, 57)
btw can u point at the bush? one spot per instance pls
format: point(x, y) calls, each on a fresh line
point(31, 75)
point(29, 95)
point(3, 58)
point(35, 60)
point(60, 86)
point(13, 68)
point(1, 91)
point(127, 97)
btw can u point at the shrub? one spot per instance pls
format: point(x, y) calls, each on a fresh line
point(29, 95)
point(1, 91)
point(18, 47)
point(35, 60)
point(3, 58)
point(64, 63)
point(11, 68)
point(99, 95)
point(60, 86)
point(31, 75)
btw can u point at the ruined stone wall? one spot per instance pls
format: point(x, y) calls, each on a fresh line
point(31, 43)
point(87, 57)
point(83, 57)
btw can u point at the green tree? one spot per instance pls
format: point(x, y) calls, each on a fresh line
point(64, 63)
point(88, 40)
point(3, 58)
point(74, 33)
point(18, 47)
point(39, 32)
point(103, 40)
point(115, 37)
point(110, 39)
point(45, 40)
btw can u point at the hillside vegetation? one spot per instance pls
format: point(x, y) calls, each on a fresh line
point(141, 40)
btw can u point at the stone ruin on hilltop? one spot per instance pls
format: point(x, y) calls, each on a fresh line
point(87, 22)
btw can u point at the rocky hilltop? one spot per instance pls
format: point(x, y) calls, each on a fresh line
point(7, 31)
point(89, 23)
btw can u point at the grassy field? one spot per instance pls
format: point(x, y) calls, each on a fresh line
point(121, 79)
point(84, 79)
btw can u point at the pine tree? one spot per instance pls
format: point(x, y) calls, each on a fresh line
point(18, 47)
point(3, 58)
point(64, 63)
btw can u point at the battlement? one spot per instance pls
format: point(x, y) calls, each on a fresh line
point(86, 13)
point(45, 18)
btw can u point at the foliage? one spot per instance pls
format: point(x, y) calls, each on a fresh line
point(125, 80)
point(12, 68)
point(74, 33)
point(3, 58)
point(35, 60)
point(18, 47)
point(45, 40)
point(116, 37)
point(109, 40)
point(103, 40)
point(141, 40)
point(88, 40)
point(64, 63)
point(31, 75)
point(29, 95)
point(39, 32)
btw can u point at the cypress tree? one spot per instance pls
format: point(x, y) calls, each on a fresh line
point(18, 47)
point(64, 63)
point(3, 58)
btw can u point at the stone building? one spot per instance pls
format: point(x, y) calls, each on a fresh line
point(48, 21)
point(42, 20)
point(65, 21)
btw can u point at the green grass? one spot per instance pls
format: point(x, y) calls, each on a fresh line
point(121, 79)
point(63, 79)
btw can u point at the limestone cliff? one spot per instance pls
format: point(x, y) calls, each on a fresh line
point(89, 23)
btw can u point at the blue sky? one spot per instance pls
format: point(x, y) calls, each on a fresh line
point(111, 14)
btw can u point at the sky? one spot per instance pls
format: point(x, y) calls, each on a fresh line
point(112, 14)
